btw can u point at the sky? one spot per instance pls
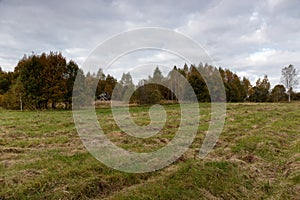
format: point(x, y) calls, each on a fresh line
point(251, 38)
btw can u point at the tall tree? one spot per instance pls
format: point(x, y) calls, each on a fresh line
point(43, 80)
point(5, 81)
point(260, 92)
point(236, 89)
point(80, 92)
point(127, 86)
point(110, 83)
point(278, 93)
point(70, 76)
point(173, 83)
point(157, 80)
point(198, 84)
point(289, 79)
point(157, 75)
point(100, 74)
point(31, 77)
point(54, 75)
point(247, 86)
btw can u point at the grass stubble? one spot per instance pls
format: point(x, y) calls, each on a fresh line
point(256, 157)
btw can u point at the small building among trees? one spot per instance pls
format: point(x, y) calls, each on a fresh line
point(104, 97)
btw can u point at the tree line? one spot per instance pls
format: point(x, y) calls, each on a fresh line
point(39, 82)
point(46, 82)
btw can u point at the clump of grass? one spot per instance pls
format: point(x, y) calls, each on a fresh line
point(256, 157)
point(196, 180)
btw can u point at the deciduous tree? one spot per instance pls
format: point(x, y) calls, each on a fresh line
point(289, 79)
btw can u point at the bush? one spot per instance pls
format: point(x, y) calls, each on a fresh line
point(10, 100)
point(1, 100)
point(147, 94)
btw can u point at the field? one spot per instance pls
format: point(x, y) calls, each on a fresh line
point(256, 157)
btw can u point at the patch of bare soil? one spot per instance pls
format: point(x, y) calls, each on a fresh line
point(11, 150)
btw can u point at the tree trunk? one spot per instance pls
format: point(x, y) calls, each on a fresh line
point(53, 106)
point(21, 104)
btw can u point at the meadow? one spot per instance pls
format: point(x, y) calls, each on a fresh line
point(256, 157)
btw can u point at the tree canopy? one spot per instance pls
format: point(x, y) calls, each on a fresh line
point(289, 79)
point(46, 81)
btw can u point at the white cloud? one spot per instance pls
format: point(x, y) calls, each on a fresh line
point(254, 17)
point(252, 38)
point(262, 56)
point(258, 36)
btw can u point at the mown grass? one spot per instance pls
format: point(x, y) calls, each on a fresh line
point(256, 157)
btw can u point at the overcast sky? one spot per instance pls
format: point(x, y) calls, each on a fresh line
point(251, 38)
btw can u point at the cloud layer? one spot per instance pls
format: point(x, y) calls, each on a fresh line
point(252, 38)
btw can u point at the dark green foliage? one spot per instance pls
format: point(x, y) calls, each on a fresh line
point(44, 81)
point(5, 81)
point(260, 92)
point(200, 88)
point(236, 90)
point(148, 94)
point(278, 93)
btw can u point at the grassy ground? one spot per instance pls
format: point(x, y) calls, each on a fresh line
point(257, 157)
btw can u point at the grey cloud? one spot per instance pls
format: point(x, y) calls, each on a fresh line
point(231, 31)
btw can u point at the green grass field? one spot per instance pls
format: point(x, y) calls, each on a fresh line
point(256, 157)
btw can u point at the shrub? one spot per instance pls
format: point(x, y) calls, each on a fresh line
point(148, 94)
